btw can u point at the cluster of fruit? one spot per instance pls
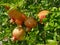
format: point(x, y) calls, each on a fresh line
point(20, 19)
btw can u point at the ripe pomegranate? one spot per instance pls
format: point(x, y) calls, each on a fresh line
point(17, 16)
point(18, 33)
point(42, 15)
point(30, 23)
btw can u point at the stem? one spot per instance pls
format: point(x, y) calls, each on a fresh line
point(44, 37)
point(55, 34)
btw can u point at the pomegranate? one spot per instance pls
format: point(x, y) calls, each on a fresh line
point(42, 15)
point(17, 16)
point(18, 33)
point(30, 23)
